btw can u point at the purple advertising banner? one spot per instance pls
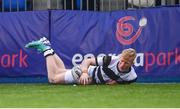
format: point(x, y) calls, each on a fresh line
point(153, 32)
point(17, 29)
point(75, 35)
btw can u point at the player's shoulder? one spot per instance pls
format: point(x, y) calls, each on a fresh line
point(133, 72)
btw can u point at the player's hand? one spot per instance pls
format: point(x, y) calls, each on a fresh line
point(111, 82)
point(85, 79)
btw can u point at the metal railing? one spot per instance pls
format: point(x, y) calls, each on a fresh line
point(93, 5)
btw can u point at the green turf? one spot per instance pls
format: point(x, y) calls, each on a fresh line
point(134, 95)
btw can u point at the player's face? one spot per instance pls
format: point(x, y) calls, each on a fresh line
point(125, 64)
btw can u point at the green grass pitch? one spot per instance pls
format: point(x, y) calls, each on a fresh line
point(91, 96)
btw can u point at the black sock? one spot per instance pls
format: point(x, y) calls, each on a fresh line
point(48, 52)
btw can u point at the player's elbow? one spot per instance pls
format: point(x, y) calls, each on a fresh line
point(89, 61)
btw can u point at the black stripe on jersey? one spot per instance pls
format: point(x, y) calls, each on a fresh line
point(99, 75)
point(106, 61)
point(93, 76)
point(96, 61)
point(127, 82)
point(110, 73)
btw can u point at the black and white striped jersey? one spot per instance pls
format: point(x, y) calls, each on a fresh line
point(106, 69)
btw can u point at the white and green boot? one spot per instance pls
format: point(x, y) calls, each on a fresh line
point(43, 46)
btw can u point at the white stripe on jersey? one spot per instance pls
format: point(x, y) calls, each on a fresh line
point(113, 66)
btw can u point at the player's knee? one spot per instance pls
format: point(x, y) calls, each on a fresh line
point(56, 77)
point(52, 80)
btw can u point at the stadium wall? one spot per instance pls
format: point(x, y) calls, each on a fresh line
point(76, 35)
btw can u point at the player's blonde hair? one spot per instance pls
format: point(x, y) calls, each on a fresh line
point(129, 53)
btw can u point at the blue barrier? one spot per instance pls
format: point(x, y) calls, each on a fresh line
point(95, 33)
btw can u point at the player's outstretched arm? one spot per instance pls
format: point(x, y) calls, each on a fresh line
point(85, 78)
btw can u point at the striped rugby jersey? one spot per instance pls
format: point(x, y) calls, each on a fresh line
point(106, 69)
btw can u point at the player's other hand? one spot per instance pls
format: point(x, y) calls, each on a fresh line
point(85, 79)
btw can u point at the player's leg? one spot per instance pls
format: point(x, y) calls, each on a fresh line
point(57, 73)
point(59, 61)
point(56, 70)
